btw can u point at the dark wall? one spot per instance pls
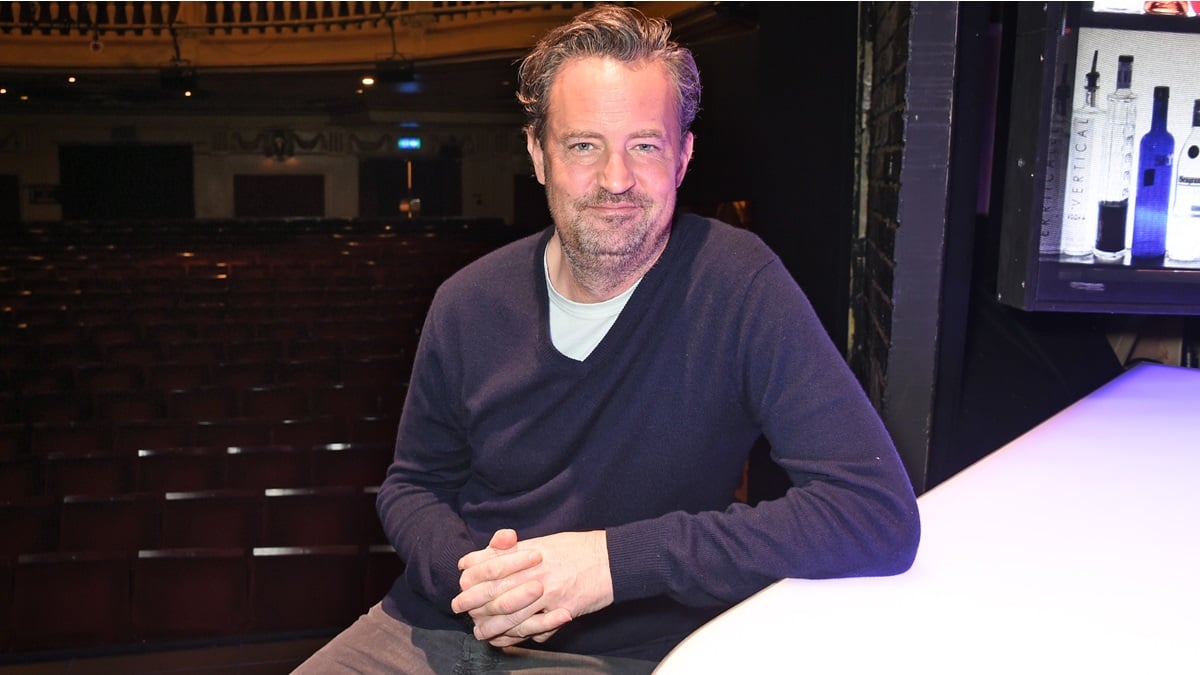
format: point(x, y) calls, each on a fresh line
point(803, 149)
point(776, 129)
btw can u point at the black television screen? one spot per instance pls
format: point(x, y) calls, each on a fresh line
point(1102, 184)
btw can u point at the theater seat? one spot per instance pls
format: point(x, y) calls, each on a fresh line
point(125, 522)
point(186, 469)
point(313, 517)
point(190, 593)
point(259, 467)
point(77, 599)
point(91, 474)
point(357, 464)
point(29, 525)
point(212, 519)
point(332, 579)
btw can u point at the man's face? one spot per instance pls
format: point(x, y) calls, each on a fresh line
point(612, 159)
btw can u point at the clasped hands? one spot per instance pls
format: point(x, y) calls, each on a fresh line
point(521, 590)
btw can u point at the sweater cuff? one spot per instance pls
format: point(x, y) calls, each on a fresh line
point(637, 561)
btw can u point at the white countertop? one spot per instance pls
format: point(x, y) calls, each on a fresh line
point(1073, 549)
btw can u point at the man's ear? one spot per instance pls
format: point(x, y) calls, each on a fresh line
point(685, 156)
point(534, 146)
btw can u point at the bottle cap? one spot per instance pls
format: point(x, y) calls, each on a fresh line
point(1162, 93)
point(1196, 113)
point(1124, 71)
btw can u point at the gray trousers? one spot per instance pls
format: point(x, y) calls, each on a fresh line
point(377, 643)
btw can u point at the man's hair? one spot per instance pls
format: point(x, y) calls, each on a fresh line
point(607, 31)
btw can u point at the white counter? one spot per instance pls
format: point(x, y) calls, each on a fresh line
point(1073, 549)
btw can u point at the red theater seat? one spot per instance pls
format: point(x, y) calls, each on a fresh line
point(190, 593)
point(78, 439)
point(332, 579)
point(313, 517)
point(212, 519)
point(232, 432)
point(29, 524)
point(19, 478)
point(278, 402)
point(356, 464)
point(179, 469)
point(130, 406)
point(258, 467)
point(71, 474)
point(207, 403)
point(134, 435)
point(77, 599)
point(125, 522)
point(306, 432)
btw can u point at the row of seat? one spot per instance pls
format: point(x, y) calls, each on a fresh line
point(21, 363)
point(98, 327)
point(193, 468)
point(229, 518)
point(126, 438)
point(106, 599)
point(308, 389)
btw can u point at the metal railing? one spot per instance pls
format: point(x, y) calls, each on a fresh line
point(98, 19)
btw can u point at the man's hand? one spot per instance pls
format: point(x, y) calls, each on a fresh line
point(528, 590)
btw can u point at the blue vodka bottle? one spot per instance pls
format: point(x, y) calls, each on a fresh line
point(1154, 182)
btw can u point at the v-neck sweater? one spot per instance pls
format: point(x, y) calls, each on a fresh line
point(645, 438)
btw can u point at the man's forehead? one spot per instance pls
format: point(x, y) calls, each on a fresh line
point(590, 91)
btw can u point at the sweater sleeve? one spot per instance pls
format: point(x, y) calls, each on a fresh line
point(850, 511)
point(417, 502)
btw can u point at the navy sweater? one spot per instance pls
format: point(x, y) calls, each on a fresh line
point(645, 438)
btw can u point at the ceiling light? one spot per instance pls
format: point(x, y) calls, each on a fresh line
point(368, 81)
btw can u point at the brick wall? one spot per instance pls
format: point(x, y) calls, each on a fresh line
point(885, 56)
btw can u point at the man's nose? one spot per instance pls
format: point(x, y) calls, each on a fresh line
point(616, 176)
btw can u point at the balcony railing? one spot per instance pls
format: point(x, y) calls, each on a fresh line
point(138, 18)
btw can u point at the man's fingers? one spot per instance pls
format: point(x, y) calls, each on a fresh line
point(501, 541)
point(539, 627)
point(517, 602)
point(499, 567)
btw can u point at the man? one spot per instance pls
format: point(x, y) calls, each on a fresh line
point(583, 400)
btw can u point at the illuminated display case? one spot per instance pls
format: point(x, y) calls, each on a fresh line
point(1102, 180)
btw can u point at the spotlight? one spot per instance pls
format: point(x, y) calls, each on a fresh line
point(178, 78)
point(392, 71)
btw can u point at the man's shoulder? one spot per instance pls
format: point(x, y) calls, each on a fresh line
point(496, 265)
point(713, 242)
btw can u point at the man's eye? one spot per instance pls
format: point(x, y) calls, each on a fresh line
point(582, 147)
point(645, 147)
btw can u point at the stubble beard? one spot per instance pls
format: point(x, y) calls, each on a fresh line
point(609, 252)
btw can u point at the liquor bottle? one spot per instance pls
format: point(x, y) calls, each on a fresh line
point(1118, 165)
point(1156, 154)
point(1183, 230)
point(1079, 201)
point(1051, 233)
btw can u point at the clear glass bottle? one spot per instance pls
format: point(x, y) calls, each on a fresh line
point(1079, 200)
point(1154, 183)
point(1115, 179)
point(1183, 229)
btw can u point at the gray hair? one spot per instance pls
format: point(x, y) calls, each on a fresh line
point(607, 31)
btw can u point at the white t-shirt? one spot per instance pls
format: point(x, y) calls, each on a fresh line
point(577, 327)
